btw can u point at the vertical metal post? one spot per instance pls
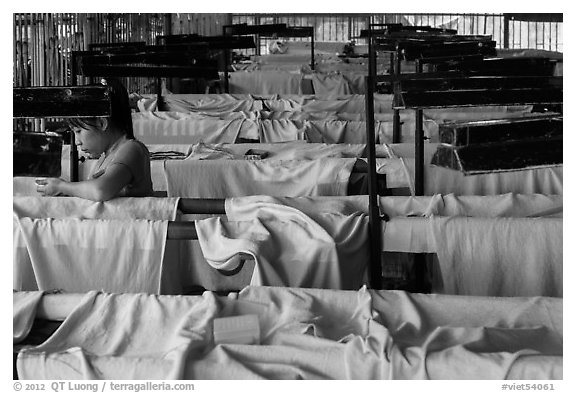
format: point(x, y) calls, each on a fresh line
point(375, 229)
point(396, 125)
point(73, 149)
point(226, 62)
point(506, 31)
point(312, 49)
point(73, 158)
point(419, 146)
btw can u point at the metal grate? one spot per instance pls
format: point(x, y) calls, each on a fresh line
point(344, 27)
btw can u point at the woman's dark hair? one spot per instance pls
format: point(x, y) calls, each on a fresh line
point(121, 114)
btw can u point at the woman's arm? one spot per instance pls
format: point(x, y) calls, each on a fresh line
point(103, 188)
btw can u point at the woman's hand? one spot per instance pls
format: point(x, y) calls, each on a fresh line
point(50, 186)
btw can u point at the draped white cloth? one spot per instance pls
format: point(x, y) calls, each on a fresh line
point(81, 255)
point(289, 248)
point(220, 179)
point(305, 334)
point(24, 309)
point(265, 82)
point(151, 130)
point(58, 240)
point(499, 256)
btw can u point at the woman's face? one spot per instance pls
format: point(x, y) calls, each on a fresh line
point(91, 142)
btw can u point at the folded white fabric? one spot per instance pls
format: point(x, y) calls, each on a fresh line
point(114, 209)
point(24, 308)
point(81, 255)
point(289, 247)
point(499, 256)
point(225, 178)
point(305, 334)
point(130, 336)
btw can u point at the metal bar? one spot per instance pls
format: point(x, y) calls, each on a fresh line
point(446, 99)
point(73, 158)
point(15, 62)
point(201, 206)
point(181, 230)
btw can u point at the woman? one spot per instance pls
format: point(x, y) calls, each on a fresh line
point(123, 167)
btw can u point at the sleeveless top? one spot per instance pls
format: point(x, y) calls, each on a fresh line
point(133, 155)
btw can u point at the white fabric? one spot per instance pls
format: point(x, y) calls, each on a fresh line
point(302, 150)
point(289, 247)
point(24, 308)
point(151, 130)
point(530, 181)
point(411, 234)
point(339, 131)
point(286, 151)
point(24, 186)
point(348, 205)
point(265, 82)
point(505, 205)
point(70, 207)
point(330, 84)
point(305, 334)
point(114, 209)
point(499, 256)
point(81, 255)
point(220, 179)
point(281, 130)
point(129, 336)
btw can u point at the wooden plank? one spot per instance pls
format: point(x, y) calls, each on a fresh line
point(446, 99)
point(536, 17)
point(502, 66)
point(151, 71)
point(480, 83)
point(245, 29)
point(61, 102)
point(498, 157)
point(104, 46)
point(165, 58)
point(300, 31)
point(412, 51)
point(215, 42)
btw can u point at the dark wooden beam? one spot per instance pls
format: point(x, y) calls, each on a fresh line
point(71, 101)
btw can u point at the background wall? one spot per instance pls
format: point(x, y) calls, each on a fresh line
point(43, 42)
